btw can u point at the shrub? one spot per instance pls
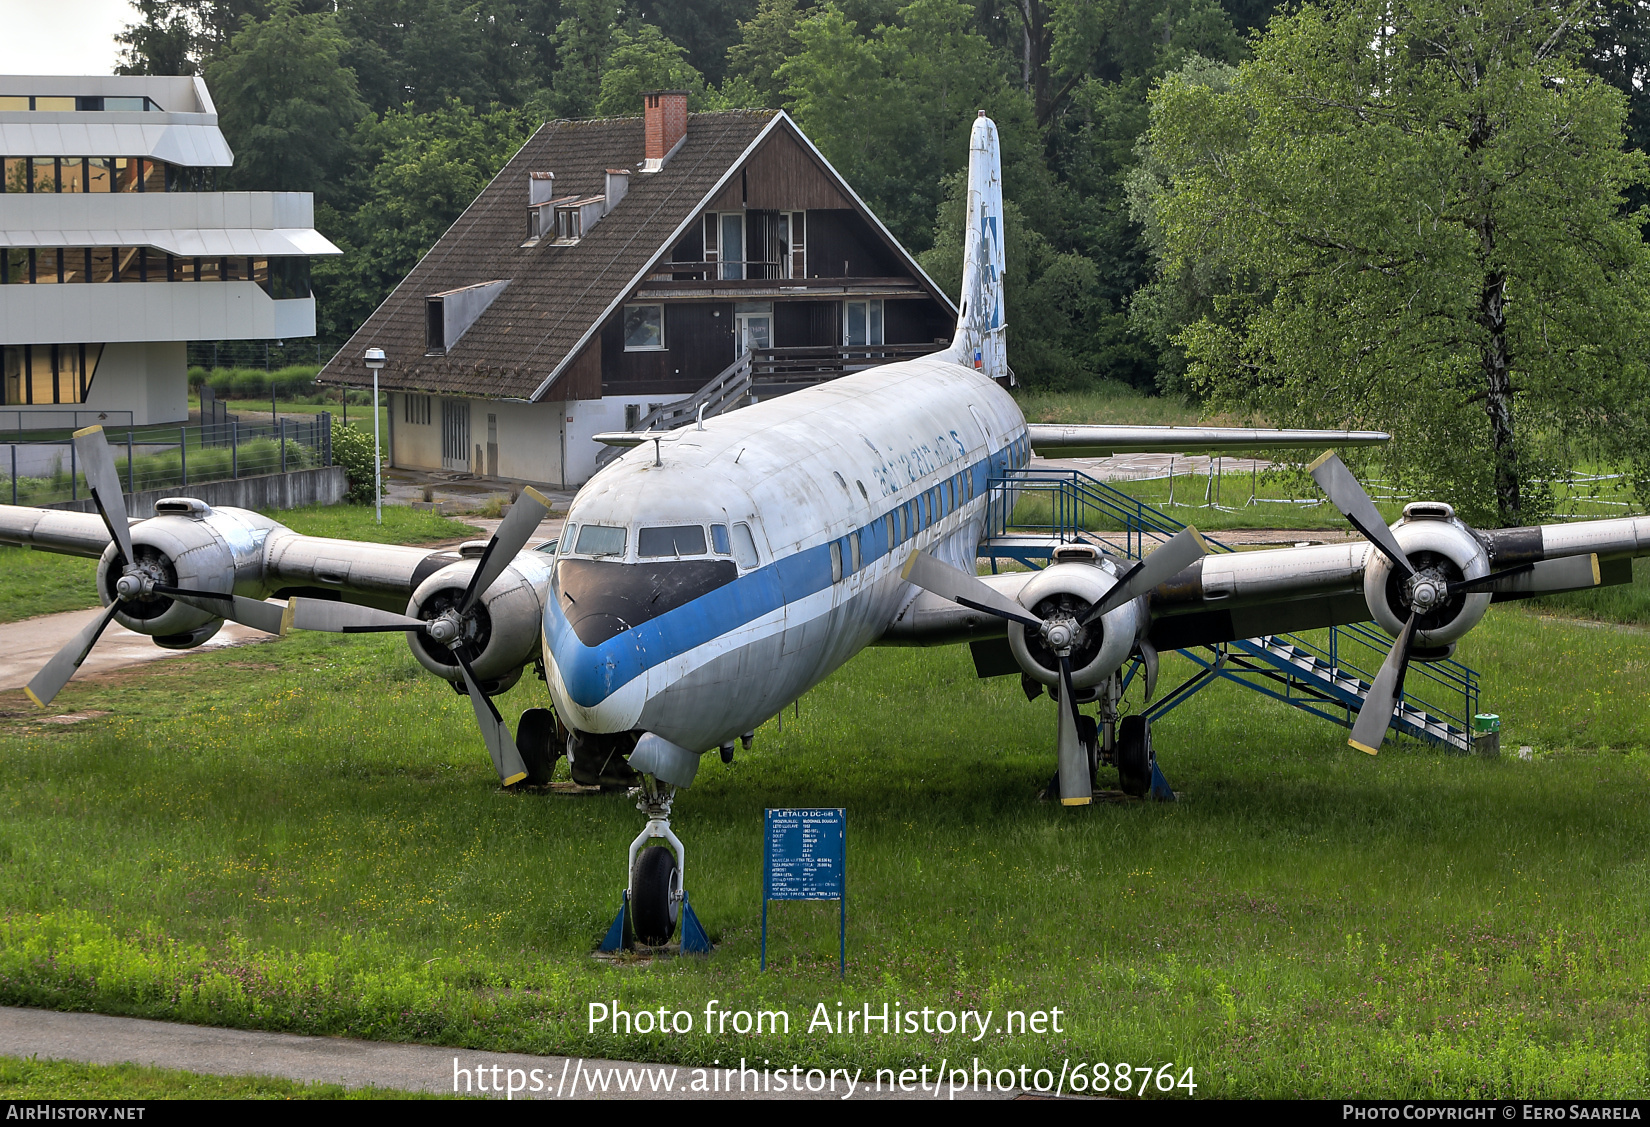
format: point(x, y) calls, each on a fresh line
point(352, 449)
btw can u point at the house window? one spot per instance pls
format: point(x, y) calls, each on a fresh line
point(793, 244)
point(733, 246)
point(568, 225)
point(416, 410)
point(862, 322)
point(632, 415)
point(644, 328)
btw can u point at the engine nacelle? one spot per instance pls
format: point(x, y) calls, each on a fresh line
point(503, 632)
point(188, 544)
point(1101, 648)
point(1442, 550)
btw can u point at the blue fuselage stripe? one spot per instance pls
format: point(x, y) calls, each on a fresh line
point(593, 673)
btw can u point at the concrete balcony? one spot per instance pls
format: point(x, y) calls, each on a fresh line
point(257, 224)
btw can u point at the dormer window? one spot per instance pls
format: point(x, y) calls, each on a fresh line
point(568, 226)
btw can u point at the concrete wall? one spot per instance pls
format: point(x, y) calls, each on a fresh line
point(150, 311)
point(530, 436)
point(324, 486)
point(529, 439)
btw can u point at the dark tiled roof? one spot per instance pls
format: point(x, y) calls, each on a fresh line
point(556, 293)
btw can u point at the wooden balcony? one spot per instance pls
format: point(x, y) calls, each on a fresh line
point(700, 281)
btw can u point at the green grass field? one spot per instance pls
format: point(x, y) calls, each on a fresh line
point(34, 583)
point(30, 1079)
point(306, 835)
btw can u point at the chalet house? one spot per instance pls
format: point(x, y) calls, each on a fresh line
point(626, 273)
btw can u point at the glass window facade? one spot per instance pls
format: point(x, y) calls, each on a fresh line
point(103, 174)
point(281, 278)
point(33, 374)
point(69, 103)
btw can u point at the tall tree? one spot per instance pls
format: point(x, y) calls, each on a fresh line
point(1419, 204)
point(287, 103)
point(645, 60)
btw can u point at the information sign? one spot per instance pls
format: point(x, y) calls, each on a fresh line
point(805, 858)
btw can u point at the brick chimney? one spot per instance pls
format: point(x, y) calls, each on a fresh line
point(665, 115)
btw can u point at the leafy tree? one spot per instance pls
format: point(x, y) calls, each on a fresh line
point(645, 60)
point(765, 42)
point(1052, 297)
point(1416, 209)
point(704, 28)
point(286, 103)
point(583, 40)
point(421, 170)
point(893, 110)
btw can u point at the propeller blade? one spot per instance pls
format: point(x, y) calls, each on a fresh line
point(268, 617)
point(1076, 788)
point(98, 463)
point(1174, 555)
point(506, 759)
point(1148, 663)
point(345, 618)
point(964, 589)
point(514, 531)
point(56, 672)
point(1376, 714)
point(1568, 573)
point(1347, 495)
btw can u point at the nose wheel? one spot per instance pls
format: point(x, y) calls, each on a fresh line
point(655, 900)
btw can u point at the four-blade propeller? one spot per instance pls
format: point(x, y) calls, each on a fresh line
point(136, 582)
point(450, 628)
point(1425, 593)
point(1062, 633)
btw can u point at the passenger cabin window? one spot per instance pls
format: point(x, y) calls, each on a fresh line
point(671, 540)
point(836, 561)
point(644, 328)
point(719, 539)
point(744, 546)
point(600, 540)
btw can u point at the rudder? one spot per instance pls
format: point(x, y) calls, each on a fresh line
point(981, 341)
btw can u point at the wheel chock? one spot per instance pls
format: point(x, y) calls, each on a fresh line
point(694, 939)
point(618, 936)
point(1161, 790)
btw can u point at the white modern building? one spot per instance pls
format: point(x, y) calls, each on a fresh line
point(115, 251)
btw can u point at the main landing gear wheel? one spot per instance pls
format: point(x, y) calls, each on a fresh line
point(539, 739)
point(1134, 755)
point(655, 896)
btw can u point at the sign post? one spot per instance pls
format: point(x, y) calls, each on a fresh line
point(805, 858)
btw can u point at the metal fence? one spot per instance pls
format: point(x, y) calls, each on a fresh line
point(266, 354)
point(46, 472)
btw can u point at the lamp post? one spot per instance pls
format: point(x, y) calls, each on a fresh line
point(375, 360)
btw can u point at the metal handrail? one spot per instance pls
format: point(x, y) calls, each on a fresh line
point(1071, 492)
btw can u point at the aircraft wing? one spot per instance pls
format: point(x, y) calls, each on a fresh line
point(1284, 590)
point(1060, 440)
point(54, 530)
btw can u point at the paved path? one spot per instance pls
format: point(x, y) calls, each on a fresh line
point(26, 646)
point(100, 1039)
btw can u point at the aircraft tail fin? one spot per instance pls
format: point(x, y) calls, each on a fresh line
point(981, 340)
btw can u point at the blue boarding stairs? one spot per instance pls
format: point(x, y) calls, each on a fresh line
point(1329, 679)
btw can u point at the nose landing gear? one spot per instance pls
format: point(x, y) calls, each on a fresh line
point(655, 900)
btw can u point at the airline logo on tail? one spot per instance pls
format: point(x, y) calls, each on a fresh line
point(981, 331)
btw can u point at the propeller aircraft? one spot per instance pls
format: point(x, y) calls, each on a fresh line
point(711, 575)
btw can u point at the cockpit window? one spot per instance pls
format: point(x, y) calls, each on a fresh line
point(672, 540)
point(744, 546)
point(600, 540)
point(719, 539)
